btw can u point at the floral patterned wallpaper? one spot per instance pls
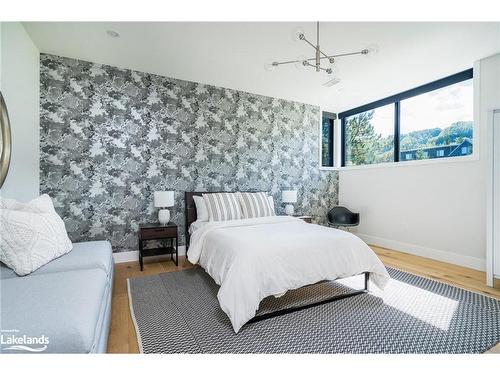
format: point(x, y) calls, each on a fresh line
point(110, 137)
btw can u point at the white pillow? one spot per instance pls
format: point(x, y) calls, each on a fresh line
point(222, 206)
point(31, 234)
point(255, 205)
point(201, 208)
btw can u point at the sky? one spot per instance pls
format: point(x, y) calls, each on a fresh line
point(436, 109)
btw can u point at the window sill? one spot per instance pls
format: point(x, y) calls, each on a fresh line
point(414, 163)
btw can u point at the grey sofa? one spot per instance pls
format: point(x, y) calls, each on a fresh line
point(68, 301)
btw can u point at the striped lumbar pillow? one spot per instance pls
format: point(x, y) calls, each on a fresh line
point(222, 206)
point(255, 205)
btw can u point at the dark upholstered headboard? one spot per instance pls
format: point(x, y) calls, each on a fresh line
point(190, 211)
point(190, 208)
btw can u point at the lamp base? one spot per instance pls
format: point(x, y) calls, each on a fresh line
point(163, 216)
point(289, 209)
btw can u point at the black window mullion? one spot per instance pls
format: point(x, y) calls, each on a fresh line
point(342, 142)
point(330, 143)
point(397, 127)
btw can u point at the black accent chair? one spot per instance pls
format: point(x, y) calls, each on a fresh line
point(341, 217)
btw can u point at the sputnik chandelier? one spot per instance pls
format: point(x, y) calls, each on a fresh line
point(314, 62)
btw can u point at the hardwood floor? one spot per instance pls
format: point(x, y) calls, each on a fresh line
point(122, 337)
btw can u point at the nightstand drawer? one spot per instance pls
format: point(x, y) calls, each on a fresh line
point(151, 233)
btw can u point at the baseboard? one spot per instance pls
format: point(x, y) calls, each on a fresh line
point(444, 256)
point(133, 256)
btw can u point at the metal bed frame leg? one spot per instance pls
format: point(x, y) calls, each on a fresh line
point(289, 310)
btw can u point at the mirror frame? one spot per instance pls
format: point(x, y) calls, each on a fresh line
point(5, 141)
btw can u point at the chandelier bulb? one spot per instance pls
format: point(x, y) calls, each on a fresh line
point(298, 34)
point(331, 60)
point(329, 71)
point(270, 65)
point(370, 50)
point(301, 62)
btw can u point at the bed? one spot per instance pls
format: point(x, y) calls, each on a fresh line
point(251, 259)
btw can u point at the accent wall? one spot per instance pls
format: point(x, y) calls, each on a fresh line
point(110, 137)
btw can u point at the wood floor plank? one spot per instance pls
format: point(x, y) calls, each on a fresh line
point(122, 337)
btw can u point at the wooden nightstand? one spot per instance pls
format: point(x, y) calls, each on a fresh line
point(157, 231)
point(307, 219)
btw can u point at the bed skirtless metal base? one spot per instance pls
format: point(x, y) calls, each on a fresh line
point(289, 310)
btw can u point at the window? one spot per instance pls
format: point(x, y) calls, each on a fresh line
point(327, 139)
point(438, 118)
point(431, 121)
point(369, 136)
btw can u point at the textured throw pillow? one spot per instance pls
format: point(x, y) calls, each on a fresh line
point(255, 205)
point(31, 234)
point(222, 206)
point(271, 202)
point(201, 208)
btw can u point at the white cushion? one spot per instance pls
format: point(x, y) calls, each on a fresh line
point(31, 234)
point(255, 205)
point(201, 208)
point(222, 206)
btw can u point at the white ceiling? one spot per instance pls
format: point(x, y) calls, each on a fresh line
point(233, 55)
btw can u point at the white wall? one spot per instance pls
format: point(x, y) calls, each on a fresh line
point(489, 100)
point(20, 85)
point(435, 209)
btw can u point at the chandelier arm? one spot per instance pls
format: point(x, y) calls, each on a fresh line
point(347, 54)
point(324, 57)
point(339, 55)
point(314, 66)
point(308, 42)
point(286, 62)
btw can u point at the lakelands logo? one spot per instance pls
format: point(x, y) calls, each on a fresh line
point(12, 341)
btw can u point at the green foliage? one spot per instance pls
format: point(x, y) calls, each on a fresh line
point(362, 141)
point(325, 142)
point(418, 138)
point(363, 145)
point(456, 133)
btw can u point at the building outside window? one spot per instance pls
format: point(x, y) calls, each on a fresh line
point(442, 117)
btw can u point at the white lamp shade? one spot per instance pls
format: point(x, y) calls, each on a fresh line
point(164, 198)
point(289, 196)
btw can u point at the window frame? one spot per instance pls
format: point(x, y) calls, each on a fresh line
point(396, 100)
point(332, 144)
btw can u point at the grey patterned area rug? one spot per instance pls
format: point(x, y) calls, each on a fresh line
point(178, 312)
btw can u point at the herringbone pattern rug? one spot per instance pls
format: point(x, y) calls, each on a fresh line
point(178, 312)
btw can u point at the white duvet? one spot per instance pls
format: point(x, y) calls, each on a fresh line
point(252, 259)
